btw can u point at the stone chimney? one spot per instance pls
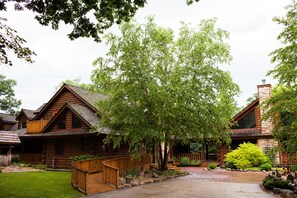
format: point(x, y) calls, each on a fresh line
point(264, 92)
point(265, 144)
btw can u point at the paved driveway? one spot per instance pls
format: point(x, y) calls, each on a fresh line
point(200, 184)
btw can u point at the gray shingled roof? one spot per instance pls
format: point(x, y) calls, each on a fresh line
point(29, 113)
point(9, 137)
point(85, 113)
point(7, 118)
point(90, 97)
point(39, 108)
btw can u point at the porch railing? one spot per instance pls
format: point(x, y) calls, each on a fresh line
point(31, 158)
point(111, 169)
point(36, 126)
point(192, 156)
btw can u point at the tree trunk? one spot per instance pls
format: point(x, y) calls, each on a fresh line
point(206, 151)
point(165, 159)
point(160, 162)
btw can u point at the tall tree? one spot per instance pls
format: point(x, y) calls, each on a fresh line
point(8, 102)
point(164, 89)
point(283, 103)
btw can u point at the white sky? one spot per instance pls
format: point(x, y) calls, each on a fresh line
point(253, 35)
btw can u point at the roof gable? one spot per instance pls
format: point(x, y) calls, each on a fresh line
point(246, 110)
point(83, 113)
point(28, 113)
point(86, 97)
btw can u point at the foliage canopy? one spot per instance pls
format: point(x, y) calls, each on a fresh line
point(88, 18)
point(164, 89)
point(9, 40)
point(283, 103)
point(8, 102)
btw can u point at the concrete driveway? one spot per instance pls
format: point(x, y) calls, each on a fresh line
point(200, 184)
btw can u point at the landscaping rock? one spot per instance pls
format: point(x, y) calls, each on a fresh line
point(134, 182)
point(287, 194)
point(155, 175)
point(277, 190)
point(290, 178)
point(156, 179)
point(122, 181)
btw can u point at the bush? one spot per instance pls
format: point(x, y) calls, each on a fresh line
point(212, 166)
point(16, 159)
point(270, 183)
point(184, 161)
point(83, 157)
point(247, 155)
point(293, 168)
point(195, 163)
point(266, 166)
point(133, 172)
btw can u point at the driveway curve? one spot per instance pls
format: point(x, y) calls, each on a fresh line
point(200, 184)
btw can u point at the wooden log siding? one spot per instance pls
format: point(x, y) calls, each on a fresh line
point(32, 158)
point(36, 126)
point(191, 156)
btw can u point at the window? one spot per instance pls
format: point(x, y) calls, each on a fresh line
point(62, 123)
point(75, 122)
point(24, 125)
point(59, 147)
point(247, 121)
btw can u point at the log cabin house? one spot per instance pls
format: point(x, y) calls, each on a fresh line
point(64, 127)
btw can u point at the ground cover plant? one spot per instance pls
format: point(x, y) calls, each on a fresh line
point(185, 161)
point(247, 155)
point(212, 166)
point(37, 184)
point(270, 183)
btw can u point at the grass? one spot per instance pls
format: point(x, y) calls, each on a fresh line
point(37, 184)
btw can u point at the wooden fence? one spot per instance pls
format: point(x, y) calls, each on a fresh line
point(31, 158)
point(109, 169)
point(192, 156)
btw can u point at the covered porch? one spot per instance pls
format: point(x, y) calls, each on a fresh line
point(7, 140)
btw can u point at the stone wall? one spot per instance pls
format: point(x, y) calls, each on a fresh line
point(268, 143)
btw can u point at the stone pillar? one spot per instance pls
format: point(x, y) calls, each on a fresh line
point(264, 92)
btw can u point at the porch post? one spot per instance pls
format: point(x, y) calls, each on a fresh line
point(9, 155)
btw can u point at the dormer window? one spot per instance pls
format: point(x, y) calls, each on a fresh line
point(62, 123)
point(76, 123)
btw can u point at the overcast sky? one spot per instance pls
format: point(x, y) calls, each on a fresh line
point(253, 35)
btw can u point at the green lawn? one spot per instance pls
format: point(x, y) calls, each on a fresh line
point(37, 184)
